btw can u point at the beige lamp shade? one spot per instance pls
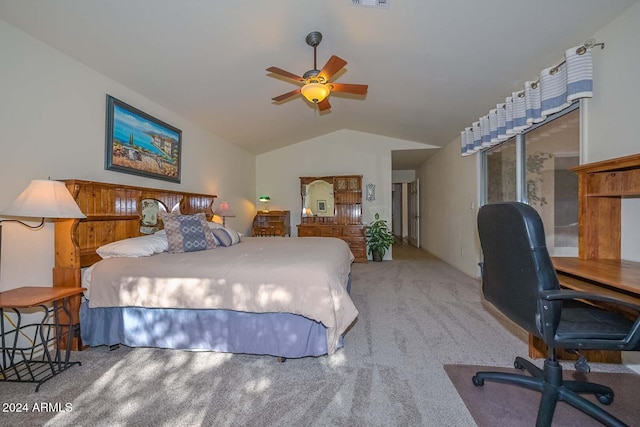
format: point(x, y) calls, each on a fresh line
point(44, 199)
point(224, 209)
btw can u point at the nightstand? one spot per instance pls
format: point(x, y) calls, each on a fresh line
point(36, 352)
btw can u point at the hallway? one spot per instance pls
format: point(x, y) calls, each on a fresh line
point(403, 251)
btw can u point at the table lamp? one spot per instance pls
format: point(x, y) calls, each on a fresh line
point(224, 210)
point(42, 199)
point(265, 200)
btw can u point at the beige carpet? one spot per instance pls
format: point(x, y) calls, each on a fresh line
point(496, 404)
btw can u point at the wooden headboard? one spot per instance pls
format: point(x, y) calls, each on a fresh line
point(113, 213)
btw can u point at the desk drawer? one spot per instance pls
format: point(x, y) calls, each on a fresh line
point(268, 231)
point(604, 183)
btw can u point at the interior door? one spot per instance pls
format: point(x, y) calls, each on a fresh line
point(396, 210)
point(413, 188)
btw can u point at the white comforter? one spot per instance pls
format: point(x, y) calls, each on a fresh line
point(305, 276)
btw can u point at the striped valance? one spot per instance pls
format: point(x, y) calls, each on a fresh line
point(554, 91)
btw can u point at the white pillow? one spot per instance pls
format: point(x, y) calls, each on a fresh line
point(135, 246)
point(235, 236)
point(225, 236)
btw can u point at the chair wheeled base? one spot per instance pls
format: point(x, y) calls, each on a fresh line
point(549, 382)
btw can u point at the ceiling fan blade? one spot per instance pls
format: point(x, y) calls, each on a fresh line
point(324, 104)
point(283, 73)
point(349, 88)
point(333, 65)
point(286, 95)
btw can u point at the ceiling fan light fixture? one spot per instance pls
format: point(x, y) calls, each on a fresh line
point(315, 92)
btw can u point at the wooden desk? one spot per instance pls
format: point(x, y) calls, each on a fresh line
point(34, 363)
point(611, 277)
point(272, 223)
point(614, 277)
point(599, 267)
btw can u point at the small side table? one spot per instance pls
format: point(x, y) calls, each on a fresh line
point(35, 363)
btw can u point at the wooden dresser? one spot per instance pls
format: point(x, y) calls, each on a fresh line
point(272, 223)
point(343, 218)
point(599, 267)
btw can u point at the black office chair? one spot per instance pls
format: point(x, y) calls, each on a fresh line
point(519, 279)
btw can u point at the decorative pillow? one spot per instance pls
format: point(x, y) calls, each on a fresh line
point(187, 233)
point(213, 225)
point(226, 236)
point(135, 247)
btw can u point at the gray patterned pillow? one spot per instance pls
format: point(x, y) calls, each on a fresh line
point(225, 236)
point(187, 233)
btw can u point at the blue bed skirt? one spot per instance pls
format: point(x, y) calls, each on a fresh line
point(276, 334)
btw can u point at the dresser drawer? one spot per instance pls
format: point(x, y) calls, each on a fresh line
point(354, 242)
point(353, 231)
point(358, 248)
point(359, 254)
point(331, 231)
point(308, 231)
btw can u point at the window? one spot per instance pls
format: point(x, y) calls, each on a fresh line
point(501, 172)
point(534, 168)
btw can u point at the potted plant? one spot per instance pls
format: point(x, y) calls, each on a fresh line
point(379, 238)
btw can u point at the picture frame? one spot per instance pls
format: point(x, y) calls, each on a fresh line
point(371, 192)
point(322, 206)
point(139, 144)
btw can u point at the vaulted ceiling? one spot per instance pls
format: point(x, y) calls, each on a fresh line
point(432, 66)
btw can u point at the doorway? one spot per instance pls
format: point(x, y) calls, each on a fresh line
point(405, 215)
point(413, 202)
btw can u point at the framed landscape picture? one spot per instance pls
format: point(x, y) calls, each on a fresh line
point(139, 144)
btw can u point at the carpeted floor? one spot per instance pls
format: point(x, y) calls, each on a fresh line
point(417, 314)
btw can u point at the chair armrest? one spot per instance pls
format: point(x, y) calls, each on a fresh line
point(632, 339)
point(570, 295)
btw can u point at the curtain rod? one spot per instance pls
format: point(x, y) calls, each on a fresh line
point(590, 43)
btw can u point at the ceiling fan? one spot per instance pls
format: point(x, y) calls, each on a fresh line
point(315, 83)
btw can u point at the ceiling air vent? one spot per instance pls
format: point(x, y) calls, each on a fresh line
point(380, 4)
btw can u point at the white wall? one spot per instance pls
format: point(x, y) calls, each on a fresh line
point(52, 124)
point(343, 152)
point(449, 205)
point(612, 125)
point(609, 130)
point(400, 176)
point(449, 181)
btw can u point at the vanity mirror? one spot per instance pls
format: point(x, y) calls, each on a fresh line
point(318, 199)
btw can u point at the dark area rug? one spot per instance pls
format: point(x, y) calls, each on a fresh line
point(497, 404)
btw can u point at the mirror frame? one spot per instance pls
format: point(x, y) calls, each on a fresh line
point(305, 181)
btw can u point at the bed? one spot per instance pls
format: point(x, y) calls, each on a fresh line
point(285, 297)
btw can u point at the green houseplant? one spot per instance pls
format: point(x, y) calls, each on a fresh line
point(379, 238)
